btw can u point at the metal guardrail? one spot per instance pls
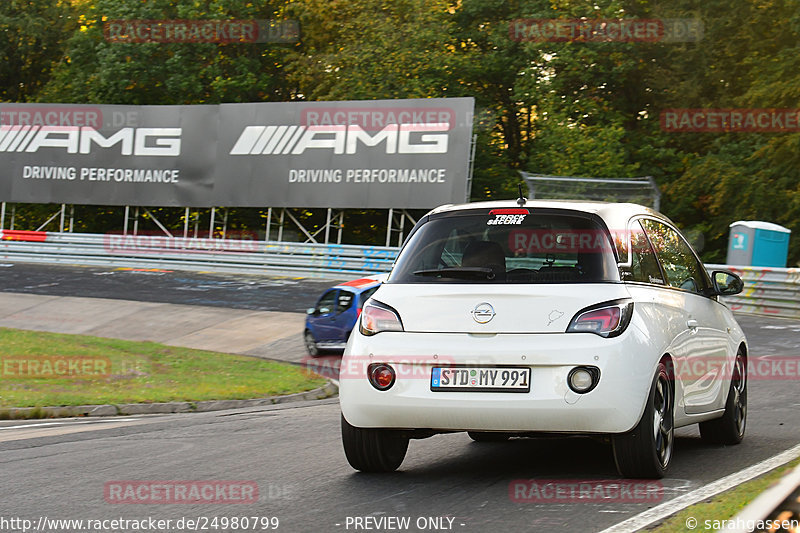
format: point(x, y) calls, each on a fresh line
point(767, 291)
point(222, 255)
point(779, 504)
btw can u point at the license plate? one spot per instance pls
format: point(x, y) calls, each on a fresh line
point(480, 379)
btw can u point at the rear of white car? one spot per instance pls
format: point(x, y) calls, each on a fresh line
point(502, 319)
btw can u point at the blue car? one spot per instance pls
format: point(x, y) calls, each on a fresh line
point(329, 323)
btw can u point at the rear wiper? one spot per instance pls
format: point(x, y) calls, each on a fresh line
point(458, 272)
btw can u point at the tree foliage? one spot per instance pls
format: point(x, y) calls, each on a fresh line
point(32, 42)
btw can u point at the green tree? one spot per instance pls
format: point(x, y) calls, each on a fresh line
point(32, 42)
point(96, 70)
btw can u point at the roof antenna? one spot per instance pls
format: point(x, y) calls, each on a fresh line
point(521, 200)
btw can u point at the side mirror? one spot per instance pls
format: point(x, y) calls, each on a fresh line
point(311, 311)
point(726, 283)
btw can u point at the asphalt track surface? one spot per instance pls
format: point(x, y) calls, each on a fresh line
point(238, 291)
point(293, 452)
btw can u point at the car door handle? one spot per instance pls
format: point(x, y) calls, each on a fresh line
point(692, 323)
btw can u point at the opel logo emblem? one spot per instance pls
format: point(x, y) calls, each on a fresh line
point(483, 313)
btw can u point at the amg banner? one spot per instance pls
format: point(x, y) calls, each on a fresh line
point(356, 154)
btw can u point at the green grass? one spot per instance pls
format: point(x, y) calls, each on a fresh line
point(115, 371)
point(723, 506)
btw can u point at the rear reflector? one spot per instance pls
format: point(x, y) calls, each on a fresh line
point(381, 376)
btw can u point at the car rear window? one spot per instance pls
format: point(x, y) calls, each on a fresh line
point(508, 246)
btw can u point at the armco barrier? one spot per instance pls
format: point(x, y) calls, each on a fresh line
point(779, 503)
point(767, 291)
point(220, 255)
point(22, 235)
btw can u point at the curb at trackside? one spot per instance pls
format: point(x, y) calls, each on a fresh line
point(329, 390)
point(661, 512)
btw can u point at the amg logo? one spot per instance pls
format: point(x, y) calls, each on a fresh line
point(397, 139)
point(132, 141)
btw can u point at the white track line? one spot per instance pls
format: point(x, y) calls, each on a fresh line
point(66, 422)
point(674, 505)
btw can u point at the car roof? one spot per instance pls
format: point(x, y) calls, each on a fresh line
point(615, 215)
point(359, 284)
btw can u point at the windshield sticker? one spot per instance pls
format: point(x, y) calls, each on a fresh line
point(506, 220)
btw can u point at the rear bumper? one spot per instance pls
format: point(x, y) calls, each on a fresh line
point(626, 363)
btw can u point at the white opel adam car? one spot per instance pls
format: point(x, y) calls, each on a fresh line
point(509, 319)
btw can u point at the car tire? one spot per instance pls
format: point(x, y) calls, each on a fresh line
point(646, 451)
point(311, 343)
point(729, 428)
point(488, 436)
point(373, 450)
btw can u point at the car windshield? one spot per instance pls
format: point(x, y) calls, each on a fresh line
point(508, 246)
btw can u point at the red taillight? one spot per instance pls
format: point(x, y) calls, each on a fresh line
point(381, 376)
point(377, 317)
point(606, 320)
point(601, 320)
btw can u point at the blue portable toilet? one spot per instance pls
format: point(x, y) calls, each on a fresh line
point(757, 243)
